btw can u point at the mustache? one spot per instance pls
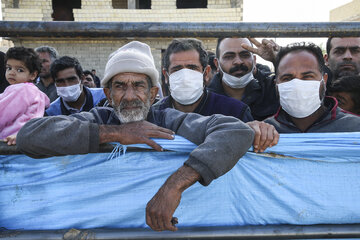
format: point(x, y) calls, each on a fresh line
point(134, 103)
point(239, 67)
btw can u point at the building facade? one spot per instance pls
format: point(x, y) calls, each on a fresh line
point(93, 52)
point(346, 13)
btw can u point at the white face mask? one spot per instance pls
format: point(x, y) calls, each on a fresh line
point(237, 82)
point(69, 93)
point(186, 86)
point(300, 98)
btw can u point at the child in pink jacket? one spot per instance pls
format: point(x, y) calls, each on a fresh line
point(22, 100)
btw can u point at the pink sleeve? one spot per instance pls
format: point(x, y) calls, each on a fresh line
point(18, 104)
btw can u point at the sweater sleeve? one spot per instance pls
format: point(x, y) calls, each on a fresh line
point(60, 135)
point(221, 140)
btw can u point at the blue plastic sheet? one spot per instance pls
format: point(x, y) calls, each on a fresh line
point(305, 179)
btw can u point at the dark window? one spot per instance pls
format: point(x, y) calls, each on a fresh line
point(63, 9)
point(143, 4)
point(191, 4)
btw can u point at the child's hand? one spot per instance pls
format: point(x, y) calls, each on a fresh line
point(11, 140)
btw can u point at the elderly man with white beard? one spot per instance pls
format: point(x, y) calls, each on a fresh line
point(130, 84)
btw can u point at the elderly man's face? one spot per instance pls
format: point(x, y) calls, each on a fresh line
point(131, 96)
point(233, 58)
point(344, 57)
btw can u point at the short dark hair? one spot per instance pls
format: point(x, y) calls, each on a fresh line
point(349, 84)
point(64, 63)
point(328, 45)
point(87, 72)
point(211, 62)
point(186, 44)
point(26, 55)
point(47, 49)
point(299, 47)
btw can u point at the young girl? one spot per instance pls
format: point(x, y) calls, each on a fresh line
point(22, 100)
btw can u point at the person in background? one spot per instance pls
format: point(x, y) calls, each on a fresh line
point(347, 92)
point(89, 79)
point(46, 82)
point(96, 78)
point(74, 97)
point(212, 65)
point(130, 83)
point(240, 78)
point(3, 83)
point(21, 100)
point(301, 82)
point(342, 57)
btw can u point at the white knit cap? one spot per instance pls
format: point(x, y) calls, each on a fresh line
point(133, 57)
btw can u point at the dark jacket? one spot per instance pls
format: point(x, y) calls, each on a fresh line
point(260, 94)
point(212, 103)
point(333, 120)
point(222, 140)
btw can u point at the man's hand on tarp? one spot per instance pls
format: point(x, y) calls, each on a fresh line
point(160, 209)
point(134, 133)
point(265, 135)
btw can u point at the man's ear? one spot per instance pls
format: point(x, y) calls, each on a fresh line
point(107, 92)
point(82, 78)
point(326, 58)
point(153, 92)
point(216, 62)
point(325, 77)
point(207, 75)
point(165, 76)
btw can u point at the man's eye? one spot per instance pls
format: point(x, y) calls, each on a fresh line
point(228, 57)
point(20, 70)
point(8, 68)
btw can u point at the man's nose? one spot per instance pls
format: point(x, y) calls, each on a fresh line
point(237, 60)
point(130, 94)
point(348, 54)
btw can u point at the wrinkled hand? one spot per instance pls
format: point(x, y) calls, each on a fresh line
point(265, 135)
point(134, 132)
point(11, 140)
point(160, 209)
point(267, 49)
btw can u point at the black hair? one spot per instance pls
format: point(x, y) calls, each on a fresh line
point(186, 44)
point(349, 84)
point(26, 55)
point(298, 47)
point(328, 45)
point(64, 63)
point(87, 72)
point(211, 62)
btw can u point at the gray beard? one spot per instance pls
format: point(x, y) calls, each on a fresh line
point(134, 115)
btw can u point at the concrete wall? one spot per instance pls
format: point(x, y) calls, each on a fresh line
point(94, 53)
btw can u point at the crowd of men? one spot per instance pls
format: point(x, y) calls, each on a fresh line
point(224, 106)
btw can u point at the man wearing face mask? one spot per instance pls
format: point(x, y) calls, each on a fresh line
point(186, 70)
point(301, 82)
point(239, 78)
point(74, 97)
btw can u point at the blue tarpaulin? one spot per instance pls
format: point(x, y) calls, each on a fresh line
point(305, 179)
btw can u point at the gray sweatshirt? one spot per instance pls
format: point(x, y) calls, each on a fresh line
point(333, 120)
point(221, 140)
